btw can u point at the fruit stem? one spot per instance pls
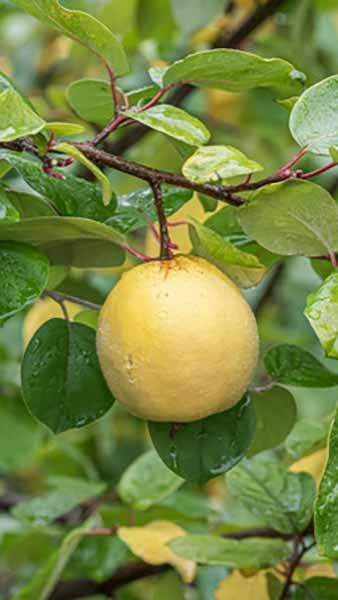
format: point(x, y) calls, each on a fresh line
point(166, 244)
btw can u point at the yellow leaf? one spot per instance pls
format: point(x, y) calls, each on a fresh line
point(237, 587)
point(149, 543)
point(313, 464)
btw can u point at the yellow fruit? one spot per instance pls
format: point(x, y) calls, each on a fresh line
point(42, 311)
point(177, 341)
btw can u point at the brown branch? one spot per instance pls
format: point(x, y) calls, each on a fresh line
point(150, 175)
point(162, 221)
point(298, 552)
point(234, 40)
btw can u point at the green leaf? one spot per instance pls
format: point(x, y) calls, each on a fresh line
point(322, 313)
point(17, 116)
point(209, 204)
point(317, 588)
point(65, 128)
point(88, 317)
point(218, 164)
point(8, 212)
point(70, 241)
point(236, 71)
point(45, 578)
point(253, 553)
point(225, 222)
point(74, 197)
point(29, 206)
point(305, 438)
point(208, 580)
point(92, 100)
point(82, 28)
point(97, 557)
point(172, 121)
point(204, 449)
point(243, 268)
point(194, 14)
point(66, 494)
point(134, 208)
point(276, 414)
point(291, 365)
point(62, 382)
point(107, 190)
point(326, 509)
point(23, 276)
point(314, 117)
point(147, 481)
point(20, 436)
point(334, 153)
point(292, 218)
point(280, 499)
point(288, 103)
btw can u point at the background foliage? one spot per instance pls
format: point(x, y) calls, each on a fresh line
point(93, 512)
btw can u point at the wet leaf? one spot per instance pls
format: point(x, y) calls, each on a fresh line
point(8, 212)
point(29, 206)
point(204, 449)
point(174, 122)
point(326, 509)
point(23, 276)
point(243, 268)
point(292, 218)
point(253, 553)
point(218, 164)
point(276, 414)
point(151, 544)
point(106, 186)
point(70, 240)
point(280, 499)
point(314, 117)
point(82, 28)
point(17, 116)
point(135, 209)
point(236, 71)
point(292, 365)
point(62, 382)
point(147, 481)
point(73, 197)
point(322, 313)
point(66, 494)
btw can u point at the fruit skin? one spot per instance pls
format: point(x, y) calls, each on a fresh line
point(44, 310)
point(177, 341)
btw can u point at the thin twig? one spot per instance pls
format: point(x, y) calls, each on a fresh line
point(61, 297)
point(165, 242)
